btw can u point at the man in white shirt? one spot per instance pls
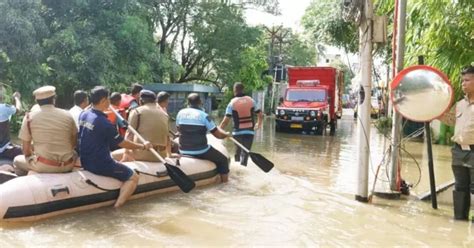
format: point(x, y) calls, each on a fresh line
point(81, 101)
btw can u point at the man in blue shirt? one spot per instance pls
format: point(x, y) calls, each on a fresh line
point(242, 109)
point(7, 150)
point(96, 136)
point(193, 124)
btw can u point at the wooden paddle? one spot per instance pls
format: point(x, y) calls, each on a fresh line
point(184, 182)
point(262, 162)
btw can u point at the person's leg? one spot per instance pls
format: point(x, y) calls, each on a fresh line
point(461, 194)
point(174, 146)
point(130, 179)
point(127, 190)
point(471, 172)
point(11, 152)
point(238, 150)
point(21, 165)
point(221, 161)
point(247, 141)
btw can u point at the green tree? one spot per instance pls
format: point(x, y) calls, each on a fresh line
point(97, 42)
point(200, 42)
point(323, 21)
point(21, 55)
point(299, 51)
point(440, 30)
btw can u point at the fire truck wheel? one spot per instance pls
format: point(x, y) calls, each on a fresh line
point(320, 127)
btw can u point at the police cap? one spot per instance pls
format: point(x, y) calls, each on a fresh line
point(44, 92)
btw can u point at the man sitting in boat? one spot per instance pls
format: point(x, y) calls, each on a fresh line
point(96, 135)
point(81, 101)
point(193, 124)
point(7, 149)
point(48, 136)
point(129, 102)
point(115, 99)
point(163, 100)
point(152, 123)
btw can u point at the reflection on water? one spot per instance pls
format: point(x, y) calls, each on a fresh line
point(306, 200)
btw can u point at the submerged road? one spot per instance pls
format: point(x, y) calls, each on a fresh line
point(306, 200)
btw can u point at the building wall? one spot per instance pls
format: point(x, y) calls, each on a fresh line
point(178, 101)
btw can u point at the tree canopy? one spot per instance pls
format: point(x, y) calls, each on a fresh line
point(440, 30)
point(77, 44)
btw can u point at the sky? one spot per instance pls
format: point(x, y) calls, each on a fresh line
point(291, 10)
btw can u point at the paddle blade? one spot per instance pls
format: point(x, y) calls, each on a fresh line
point(262, 162)
point(184, 182)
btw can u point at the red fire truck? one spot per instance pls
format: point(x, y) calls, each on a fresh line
point(312, 100)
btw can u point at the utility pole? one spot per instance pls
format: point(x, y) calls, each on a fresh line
point(397, 119)
point(277, 36)
point(363, 127)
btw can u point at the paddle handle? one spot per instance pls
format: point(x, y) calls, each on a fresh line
point(240, 145)
point(131, 129)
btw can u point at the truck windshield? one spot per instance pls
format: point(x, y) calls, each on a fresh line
point(306, 96)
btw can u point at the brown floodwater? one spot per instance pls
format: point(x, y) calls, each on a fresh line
point(306, 200)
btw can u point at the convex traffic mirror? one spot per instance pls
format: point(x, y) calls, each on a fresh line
point(421, 93)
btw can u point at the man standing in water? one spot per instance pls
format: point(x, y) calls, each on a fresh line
point(242, 109)
point(193, 124)
point(96, 135)
point(462, 117)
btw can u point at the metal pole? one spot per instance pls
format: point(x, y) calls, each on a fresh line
point(434, 200)
point(272, 103)
point(365, 31)
point(397, 120)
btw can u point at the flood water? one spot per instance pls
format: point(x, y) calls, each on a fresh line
point(306, 200)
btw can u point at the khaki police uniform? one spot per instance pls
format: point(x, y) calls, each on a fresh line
point(52, 132)
point(464, 125)
point(462, 117)
point(152, 123)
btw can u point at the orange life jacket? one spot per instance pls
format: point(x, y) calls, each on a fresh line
point(124, 109)
point(242, 113)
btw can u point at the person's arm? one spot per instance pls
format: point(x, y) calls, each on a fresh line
point(219, 133)
point(133, 122)
point(224, 122)
point(228, 115)
point(115, 139)
point(27, 148)
point(132, 145)
point(259, 120)
point(259, 113)
point(215, 130)
point(17, 97)
point(449, 118)
point(26, 138)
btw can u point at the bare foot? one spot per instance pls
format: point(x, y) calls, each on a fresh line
point(224, 178)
